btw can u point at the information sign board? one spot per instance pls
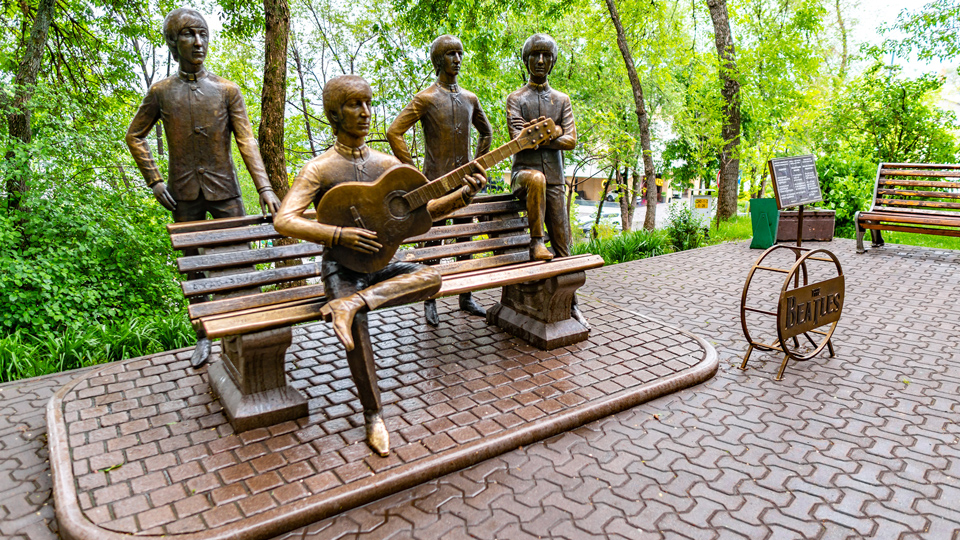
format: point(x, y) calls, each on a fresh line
point(795, 180)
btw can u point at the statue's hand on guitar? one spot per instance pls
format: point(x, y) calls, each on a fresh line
point(473, 183)
point(358, 239)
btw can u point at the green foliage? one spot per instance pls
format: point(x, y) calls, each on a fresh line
point(933, 30)
point(846, 181)
point(24, 354)
point(886, 118)
point(735, 228)
point(685, 229)
point(629, 246)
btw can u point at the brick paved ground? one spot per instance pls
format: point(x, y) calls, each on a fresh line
point(149, 451)
point(863, 445)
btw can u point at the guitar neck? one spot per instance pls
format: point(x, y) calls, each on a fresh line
point(454, 179)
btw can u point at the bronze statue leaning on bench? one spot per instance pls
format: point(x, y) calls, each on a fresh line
point(199, 111)
point(346, 103)
point(446, 111)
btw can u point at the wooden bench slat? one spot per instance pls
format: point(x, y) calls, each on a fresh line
point(488, 209)
point(904, 228)
point(443, 232)
point(263, 320)
point(457, 284)
point(286, 315)
point(917, 204)
point(946, 166)
point(249, 279)
point(198, 263)
point(920, 219)
point(219, 307)
point(919, 183)
point(463, 248)
point(914, 193)
point(224, 237)
point(494, 261)
point(227, 223)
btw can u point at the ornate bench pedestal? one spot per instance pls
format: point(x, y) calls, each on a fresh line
point(251, 382)
point(539, 312)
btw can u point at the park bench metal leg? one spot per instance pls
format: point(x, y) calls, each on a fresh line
point(539, 312)
point(251, 380)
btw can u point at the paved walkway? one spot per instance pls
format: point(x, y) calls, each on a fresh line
point(861, 445)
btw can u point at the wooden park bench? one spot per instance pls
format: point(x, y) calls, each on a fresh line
point(912, 197)
point(243, 265)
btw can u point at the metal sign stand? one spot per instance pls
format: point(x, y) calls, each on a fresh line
point(802, 309)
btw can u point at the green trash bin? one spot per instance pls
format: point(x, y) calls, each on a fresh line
point(764, 217)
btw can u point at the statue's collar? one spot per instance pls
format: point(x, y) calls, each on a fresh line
point(539, 87)
point(192, 77)
point(452, 88)
point(351, 153)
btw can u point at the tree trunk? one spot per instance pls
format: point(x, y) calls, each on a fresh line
point(18, 121)
point(643, 119)
point(603, 197)
point(729, 162)
point(843, 38)
point(303, 98)
point(634, 193)
point(624, 187)
point(274, 97)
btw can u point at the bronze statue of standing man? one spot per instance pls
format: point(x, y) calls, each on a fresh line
point(446, 111)
point(199, 111)
point(537, 175)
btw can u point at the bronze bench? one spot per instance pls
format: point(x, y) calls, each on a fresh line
point(919, 198)
point(255, 323)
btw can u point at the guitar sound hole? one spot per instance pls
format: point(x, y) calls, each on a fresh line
point(397, 205)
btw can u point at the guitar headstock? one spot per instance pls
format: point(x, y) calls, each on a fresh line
point(534, 135)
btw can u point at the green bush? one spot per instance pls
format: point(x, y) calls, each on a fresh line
point(685, 229)
point(846, 181)
point(85, 256)
point(629, 246)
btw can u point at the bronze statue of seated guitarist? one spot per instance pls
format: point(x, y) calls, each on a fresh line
point(346, 103)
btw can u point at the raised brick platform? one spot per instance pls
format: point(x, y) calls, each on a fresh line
point(141, 447)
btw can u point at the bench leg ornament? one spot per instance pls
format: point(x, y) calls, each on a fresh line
point(251, 381)
point(540, 312)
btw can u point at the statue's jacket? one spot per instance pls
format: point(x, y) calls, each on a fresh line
point(199, 112)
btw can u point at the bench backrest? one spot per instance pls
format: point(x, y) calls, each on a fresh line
point(922, 188)
point(239, 256)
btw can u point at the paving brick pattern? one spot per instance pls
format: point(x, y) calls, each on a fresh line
point(153, 454)
point(861, 445)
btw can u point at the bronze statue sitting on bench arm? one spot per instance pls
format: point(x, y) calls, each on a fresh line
point(346, 103)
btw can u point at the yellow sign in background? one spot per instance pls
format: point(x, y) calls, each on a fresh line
point(701, 204)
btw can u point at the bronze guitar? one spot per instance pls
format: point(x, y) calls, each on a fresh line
point(395, 205)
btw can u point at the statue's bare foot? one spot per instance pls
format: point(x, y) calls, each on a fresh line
point(377, 436)
point(468, 304)
point(538, 251)
point(341, 311)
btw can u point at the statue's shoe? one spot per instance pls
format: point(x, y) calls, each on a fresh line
point(340, 311)
point(201, 353)
point(538, 251)
point(377, 436)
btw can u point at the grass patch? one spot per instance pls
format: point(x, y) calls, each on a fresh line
point(24, 355)
point(737, 228)
point(914, 239)
point(629, 246)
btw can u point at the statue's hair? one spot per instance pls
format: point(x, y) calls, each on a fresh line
point(441, 46)
point(337, 91)
point(538, 42)
point(174, 22)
